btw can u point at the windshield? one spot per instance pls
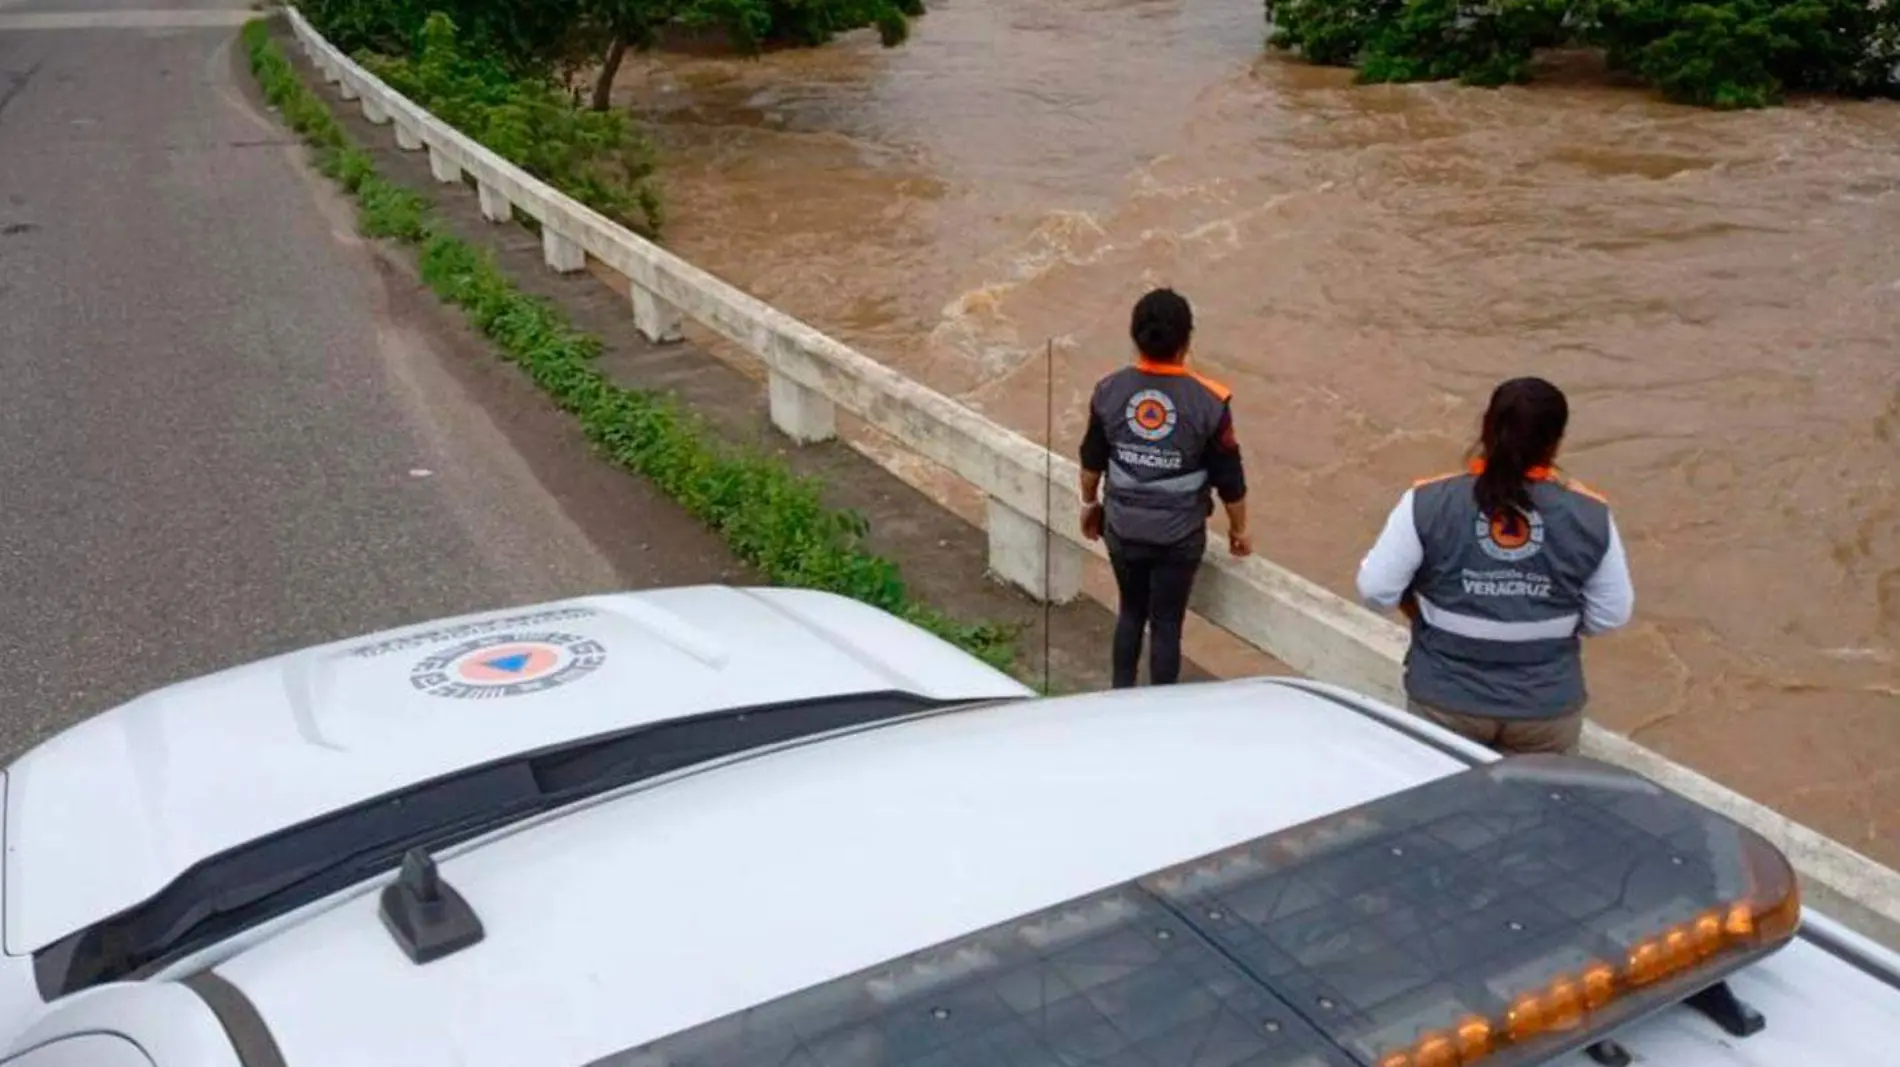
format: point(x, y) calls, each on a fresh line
point(277, 874)
point(1509, 914)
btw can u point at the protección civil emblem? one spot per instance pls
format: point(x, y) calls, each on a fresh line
point(1150, 414)
point(1508, 541)
point(508, 665)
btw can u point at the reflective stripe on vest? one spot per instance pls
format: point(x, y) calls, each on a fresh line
point(1492, 630)
point(1120, 477)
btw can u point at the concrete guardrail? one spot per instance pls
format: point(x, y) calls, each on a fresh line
point(811, 376)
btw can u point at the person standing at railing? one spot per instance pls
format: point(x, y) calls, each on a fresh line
point(1501, 569)
point(1163, 438)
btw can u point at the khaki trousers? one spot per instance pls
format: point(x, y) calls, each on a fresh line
point(1508, 736)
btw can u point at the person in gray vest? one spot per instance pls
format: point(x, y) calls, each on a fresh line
point(1163, 438)
point(1502, 568)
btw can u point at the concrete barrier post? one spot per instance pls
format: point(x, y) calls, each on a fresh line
point(407, 139)
point(1026, 555)
point(330, 72)
point(562, 254)
point(444, 168)
point(802, 414)
point(657, 320)
point(374, 111)
point(344, 89)
point(495, 206)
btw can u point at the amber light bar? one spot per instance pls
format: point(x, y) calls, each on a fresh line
point(1667, 965)
point(1502, 916)
point(1656, 972)
point(1578, 898)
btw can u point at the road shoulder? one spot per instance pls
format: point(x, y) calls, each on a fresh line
point(644, 536)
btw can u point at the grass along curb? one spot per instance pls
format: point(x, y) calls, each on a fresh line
point(769, 516)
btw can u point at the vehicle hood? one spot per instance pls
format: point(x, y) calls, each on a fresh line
point(106, 814)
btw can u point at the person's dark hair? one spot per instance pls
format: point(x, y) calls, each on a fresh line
point(1162, 324)
point(1522, 429)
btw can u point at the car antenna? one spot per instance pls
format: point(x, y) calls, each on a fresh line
point(425, 915)
point(1048, 503)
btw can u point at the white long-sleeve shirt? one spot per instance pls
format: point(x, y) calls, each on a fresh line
point(1387, 571)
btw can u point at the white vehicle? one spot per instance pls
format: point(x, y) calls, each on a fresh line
point(713, 827)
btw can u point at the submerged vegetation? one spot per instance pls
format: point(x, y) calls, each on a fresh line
point(507, 72)
point(538, 38)
point(1716, 53)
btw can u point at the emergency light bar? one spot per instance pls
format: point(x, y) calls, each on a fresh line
point(1503, 916)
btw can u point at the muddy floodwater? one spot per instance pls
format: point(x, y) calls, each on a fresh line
point(1719, 294)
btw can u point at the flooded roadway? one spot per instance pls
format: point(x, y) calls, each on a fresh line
point(1718, 293)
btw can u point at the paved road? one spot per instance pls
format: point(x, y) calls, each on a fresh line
point(224, 433)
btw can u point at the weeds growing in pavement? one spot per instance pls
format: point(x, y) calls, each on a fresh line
point(772, 518)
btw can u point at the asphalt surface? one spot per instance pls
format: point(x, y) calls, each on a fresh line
point(227, 428)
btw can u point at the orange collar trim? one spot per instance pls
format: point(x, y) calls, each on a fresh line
point(1149, 366)
point(1535, 474)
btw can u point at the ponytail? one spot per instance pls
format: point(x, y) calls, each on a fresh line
point(1522, 427)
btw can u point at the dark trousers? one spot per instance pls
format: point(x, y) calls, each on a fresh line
point(1154, 582)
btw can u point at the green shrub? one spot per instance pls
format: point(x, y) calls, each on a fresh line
point(1435, 39)
point(348, 165)
point(815, 22)
point(1717, 53)
point(596, 157)
point(770, 517)
point(385, 209)
point(520, 34)
point(1329, 32)
point(534, 35)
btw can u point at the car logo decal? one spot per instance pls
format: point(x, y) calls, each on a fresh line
point(507, 665)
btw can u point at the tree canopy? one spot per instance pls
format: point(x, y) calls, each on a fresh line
point(1717, 53)
point(539, 37)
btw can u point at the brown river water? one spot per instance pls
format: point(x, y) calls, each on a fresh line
point(1719, 294)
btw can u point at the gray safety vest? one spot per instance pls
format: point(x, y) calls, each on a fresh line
point(1500, 610)
point(1159, 427)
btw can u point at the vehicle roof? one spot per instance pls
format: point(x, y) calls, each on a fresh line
point(691, 898)
point(107, 813)
point(686, 898)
